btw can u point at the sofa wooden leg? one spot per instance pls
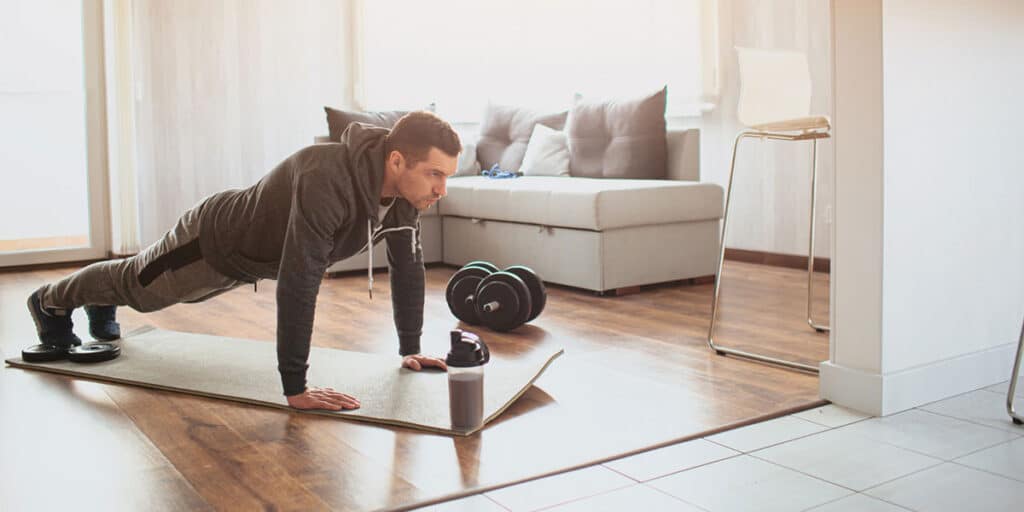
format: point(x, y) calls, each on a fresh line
point(618, 292)
point(701, 280)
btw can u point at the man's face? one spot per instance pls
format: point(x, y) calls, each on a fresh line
point(426, 181)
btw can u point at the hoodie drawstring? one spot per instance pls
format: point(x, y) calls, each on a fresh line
point(369, 251)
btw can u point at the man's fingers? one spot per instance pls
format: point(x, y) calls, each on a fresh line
point(328, 398)
point(336, 405)
point(414, 364)
point(435, 362)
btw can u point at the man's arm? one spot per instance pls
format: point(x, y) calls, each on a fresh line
point(405, 267)
point(312, 222)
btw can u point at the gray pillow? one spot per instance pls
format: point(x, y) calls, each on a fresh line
point(338, 120)
point(468, 166)
point(622, 138)
point(506, 130)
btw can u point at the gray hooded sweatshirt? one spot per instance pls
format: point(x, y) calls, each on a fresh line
point(317, 207)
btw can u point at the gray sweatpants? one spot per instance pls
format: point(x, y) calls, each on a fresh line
point(116, 282)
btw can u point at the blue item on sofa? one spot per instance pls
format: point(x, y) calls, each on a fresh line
point(496, 173)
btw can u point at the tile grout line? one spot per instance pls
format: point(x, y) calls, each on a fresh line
point(666, 475)
point(655, 489)
point(604, 465)
point(809, 509)
point(579, 498)
point(1021, 480)
point(492, 500)
point(965, 419)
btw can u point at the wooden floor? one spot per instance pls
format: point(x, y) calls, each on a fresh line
point(636, 373)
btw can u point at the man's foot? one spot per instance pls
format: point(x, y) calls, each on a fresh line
point(102, 323)
point(53, 326)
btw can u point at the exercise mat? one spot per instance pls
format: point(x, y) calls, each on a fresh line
point(246, 371)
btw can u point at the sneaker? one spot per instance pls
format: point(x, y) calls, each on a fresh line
point(53, 326)
point(102, 323)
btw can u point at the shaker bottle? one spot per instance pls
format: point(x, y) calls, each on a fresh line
point(466, 379)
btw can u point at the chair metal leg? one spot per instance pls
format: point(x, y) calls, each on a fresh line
point(1014, 415)
point(810, 252)
point(718, 280)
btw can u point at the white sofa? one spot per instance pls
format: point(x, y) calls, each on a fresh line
point(591, 233)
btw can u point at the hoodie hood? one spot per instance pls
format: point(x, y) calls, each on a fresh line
point(366, 151)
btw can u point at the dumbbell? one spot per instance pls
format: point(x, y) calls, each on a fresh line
point(481, 294)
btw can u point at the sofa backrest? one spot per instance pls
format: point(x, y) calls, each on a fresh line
point(683, 154)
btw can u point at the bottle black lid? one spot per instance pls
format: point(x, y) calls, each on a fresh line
point(468, 350)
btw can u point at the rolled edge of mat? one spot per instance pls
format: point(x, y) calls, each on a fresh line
point(522, 391)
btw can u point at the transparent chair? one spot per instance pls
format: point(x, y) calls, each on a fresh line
point(1014, 415)
point(774, 104)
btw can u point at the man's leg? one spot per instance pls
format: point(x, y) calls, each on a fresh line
point(105, 285)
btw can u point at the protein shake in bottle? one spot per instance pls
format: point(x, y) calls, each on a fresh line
point(466, 379)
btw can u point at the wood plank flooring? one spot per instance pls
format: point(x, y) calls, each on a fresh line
point(636, 373)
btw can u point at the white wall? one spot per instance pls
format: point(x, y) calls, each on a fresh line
point(771, 206)
point(954, 178)
point(928, 287)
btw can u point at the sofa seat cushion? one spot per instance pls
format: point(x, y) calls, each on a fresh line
point(582, 203)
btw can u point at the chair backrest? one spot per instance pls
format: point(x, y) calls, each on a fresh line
point(775, 85)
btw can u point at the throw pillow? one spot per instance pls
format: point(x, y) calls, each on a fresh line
point(468, 166)
point(505, 132)
point(338, 120)
point(622, 138)
point(547, 153)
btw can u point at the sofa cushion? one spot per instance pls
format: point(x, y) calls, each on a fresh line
point(505, 132)
point(338, 120)
point(618, 138)
point(547, 154)
point(467, 165)
point(582, 203)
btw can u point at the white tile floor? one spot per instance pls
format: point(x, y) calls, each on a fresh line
point(958, 454)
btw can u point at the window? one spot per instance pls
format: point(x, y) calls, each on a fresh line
point(459, 54)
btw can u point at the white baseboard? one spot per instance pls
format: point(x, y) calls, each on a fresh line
point(882, 395)
point(850, 388)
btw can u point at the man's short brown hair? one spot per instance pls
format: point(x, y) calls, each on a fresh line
point(416, 132)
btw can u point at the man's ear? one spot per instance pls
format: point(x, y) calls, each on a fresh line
point(396, 159)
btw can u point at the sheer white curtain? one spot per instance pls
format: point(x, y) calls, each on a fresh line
point(223, 91)
point(461, 53)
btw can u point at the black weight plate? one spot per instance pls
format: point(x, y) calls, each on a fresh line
point(538, 293)
point(491, 267)
point(93, 352)
point(461, 286)
point(462, 302)
point(476, 272)
point(513, 298)
point(43, 354)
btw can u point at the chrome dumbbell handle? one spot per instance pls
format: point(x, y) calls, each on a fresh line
point(491, 307)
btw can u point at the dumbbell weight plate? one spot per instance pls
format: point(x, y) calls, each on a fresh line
point(491, 267)
point(93, 352)
point(461, 286)
point(43, 354)
point(512, 296)
point(538, 293)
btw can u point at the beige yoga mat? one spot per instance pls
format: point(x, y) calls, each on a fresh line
point(246, 371)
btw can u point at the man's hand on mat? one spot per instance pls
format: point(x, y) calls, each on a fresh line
point(418, 362)
point(323, 398)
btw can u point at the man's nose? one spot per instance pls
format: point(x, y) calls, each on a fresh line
point(442, 190)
